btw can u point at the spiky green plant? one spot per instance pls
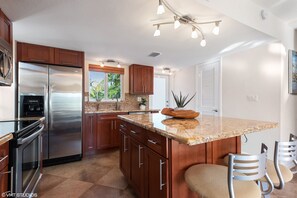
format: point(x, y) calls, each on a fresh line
point(181, 101)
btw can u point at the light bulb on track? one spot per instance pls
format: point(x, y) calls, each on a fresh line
point(161, 9)
point(194, 33)
point(176, 23)
point(203, 43)
point(216, 29)
point(157, 32)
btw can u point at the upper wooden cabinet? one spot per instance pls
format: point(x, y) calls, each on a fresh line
point(141, 79)
point(49, 55)
point(69, 57)
point(35, 53)
point(5, 28)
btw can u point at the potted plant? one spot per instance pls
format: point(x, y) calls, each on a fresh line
point(181, 101)
point(142, 104)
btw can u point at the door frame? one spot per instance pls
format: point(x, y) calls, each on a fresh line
point(167, 89)
point(218, 81)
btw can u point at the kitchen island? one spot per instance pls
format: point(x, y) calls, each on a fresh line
point(156, 150)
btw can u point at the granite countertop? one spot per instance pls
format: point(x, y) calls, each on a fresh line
point(103, 111)
point(200, 130)
point(7, 134)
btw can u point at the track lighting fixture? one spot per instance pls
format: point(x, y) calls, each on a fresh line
point(161, 8)
point(194, 33)
point(203, 42)
point(110, 62)
point(157, 32)
point(176, 22)
point(180, 19)
point(216, 29)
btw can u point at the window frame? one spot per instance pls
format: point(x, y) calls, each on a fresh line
point(107, 70)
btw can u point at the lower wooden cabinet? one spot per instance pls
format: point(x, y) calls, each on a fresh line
point(145, 169)
point(156, 170)
point(101, 131)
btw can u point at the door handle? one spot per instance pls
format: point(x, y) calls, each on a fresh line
point(215, 110)
point(139, 156)
point(31, 137)
point(161, 175)
point(125, 149)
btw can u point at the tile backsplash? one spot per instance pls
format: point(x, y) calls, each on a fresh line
point(129, 103)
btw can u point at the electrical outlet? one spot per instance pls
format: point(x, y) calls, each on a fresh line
point(139, 99)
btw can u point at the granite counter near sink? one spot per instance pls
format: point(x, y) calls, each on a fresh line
point(128, 111)
point(196, 131)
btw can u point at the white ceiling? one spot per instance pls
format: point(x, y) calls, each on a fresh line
point(122, 30)
point(286, 10)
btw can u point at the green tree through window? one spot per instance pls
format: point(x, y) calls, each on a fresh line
point(104, 86)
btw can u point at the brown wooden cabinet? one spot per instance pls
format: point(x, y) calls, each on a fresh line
point(156, 169)
point(125, 153)
point(141, 79)
point(49, 55)
point(137, 166)
point(4, 159)
point(101, 131)
point(35, 53)
point(69, 57)
point(90, 132)
point(155, 165)
point(5, 28)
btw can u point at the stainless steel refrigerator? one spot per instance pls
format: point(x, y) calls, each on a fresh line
point(61, 91)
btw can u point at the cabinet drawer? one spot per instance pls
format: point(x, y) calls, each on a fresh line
point(137, 133)
point(4, 151)
point(157, 143)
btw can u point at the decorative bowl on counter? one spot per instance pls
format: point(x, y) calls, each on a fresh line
point(186, 114)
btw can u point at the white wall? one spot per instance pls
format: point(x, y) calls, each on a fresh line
point(184, 81)
point(254, 73)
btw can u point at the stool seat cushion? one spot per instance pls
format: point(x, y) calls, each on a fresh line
point(211, 181)
point(286, 172)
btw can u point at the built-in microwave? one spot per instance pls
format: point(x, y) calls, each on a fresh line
point(6, 63)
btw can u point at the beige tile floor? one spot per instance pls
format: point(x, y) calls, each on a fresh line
point(99, 176)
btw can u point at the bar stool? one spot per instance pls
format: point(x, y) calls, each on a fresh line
point(284, 152)
point(236, 180)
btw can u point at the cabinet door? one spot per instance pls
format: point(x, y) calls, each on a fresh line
point(116, 133)
point(36, 53)
point(136, 79)
point(156, 175)
point(3, 181)
point(148, 80)
point(137, 166)
point(68, 57)
point(90, 132)
point(125, 154)
point(104, 133)
point(5, 28)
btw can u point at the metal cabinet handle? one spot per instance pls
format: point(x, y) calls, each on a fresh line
point(115, 124)
point(3, 158)
point(125, 149)
point(133, 132)
point(91, 130)
point(152, 141)
point(112, 125)
point(139, 156)
point(161, 175)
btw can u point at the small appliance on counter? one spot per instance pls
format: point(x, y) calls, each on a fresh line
point(25, 153)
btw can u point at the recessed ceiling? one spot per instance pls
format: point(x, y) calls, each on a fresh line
point(286, 10)
point(123, 30)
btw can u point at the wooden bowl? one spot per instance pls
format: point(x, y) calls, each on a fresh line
point(186, 114)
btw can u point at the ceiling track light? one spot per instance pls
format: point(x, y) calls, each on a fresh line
point(166, 70)
point(102, 64)
point(157, 32)
point(119, 65)
point(180, 19)
point(110, 62)
point(161, 9)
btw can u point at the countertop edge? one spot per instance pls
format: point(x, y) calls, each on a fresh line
point(6, 138)
point(120, 111)
point(193, 142)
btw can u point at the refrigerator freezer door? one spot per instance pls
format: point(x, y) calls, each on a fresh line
point(33, 81)
point(65, 111)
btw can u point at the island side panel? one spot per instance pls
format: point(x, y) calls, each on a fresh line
point(182, 156)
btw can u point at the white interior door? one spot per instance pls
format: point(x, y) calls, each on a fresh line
point(208, 88)
point(160, 98)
